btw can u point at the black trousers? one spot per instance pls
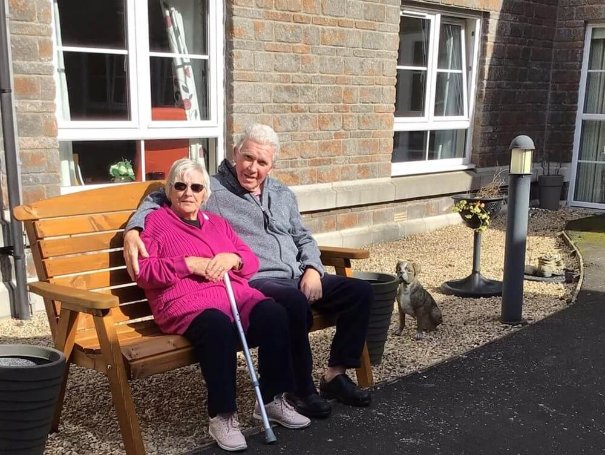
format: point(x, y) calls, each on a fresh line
point(348, 299)
point(216, 341)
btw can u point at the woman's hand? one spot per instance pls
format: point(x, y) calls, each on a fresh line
point(221, 263)
point(197, 265)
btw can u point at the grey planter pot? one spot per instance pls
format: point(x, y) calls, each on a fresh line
point(385, 290)
point(30, 382)
point(550, 191)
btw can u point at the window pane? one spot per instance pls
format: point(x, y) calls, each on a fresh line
point(596, 60)
point(590, 183)
point(178, 26)
point(409, 146)
point(93, 158)
point(594, 99)
point(98, 86)
point(99, 24)
point(448, 95)
point(88, 162)
point(450, 49)
point(592, 141)
point(410, 88)
point(181, 84)
point(160, 154)
point(444, 144)
point(413, 41)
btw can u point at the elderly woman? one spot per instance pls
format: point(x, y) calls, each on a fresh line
point(189, 252)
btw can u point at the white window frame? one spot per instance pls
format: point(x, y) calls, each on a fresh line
point(580, 117)
point(141, 127)
point(471, 33)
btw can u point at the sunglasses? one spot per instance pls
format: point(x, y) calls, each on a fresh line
point(195, 187)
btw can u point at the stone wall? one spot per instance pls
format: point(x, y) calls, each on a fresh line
point(33, 95)
point(322, 74)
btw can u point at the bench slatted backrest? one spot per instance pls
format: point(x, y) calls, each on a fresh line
point(76, 241)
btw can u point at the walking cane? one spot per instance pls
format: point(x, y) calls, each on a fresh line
point(269, 435)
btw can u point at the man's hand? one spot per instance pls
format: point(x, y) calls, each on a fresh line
point(133, 247)
point(310, 285)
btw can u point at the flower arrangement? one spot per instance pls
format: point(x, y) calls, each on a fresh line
point(473, 208)
point(477, 209)
point(122, 170)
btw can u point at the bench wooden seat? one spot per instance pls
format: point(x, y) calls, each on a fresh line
point(97, 315)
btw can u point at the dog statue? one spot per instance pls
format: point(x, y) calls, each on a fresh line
point(414, 300)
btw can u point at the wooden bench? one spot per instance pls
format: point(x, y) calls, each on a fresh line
point(98, 316)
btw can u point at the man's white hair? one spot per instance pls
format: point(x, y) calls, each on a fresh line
point(261, 134)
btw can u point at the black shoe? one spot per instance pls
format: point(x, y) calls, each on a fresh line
point(311, 406)
point(345, 391)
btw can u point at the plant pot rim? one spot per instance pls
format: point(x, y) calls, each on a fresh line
point(474, 197)
point(378, 277)
point(53, 356)
point(550, 177)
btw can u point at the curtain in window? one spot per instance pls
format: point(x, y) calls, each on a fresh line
point(449, 91)
point(183, 71)
point(590, 180)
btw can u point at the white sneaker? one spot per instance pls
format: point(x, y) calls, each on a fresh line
point(224, 428)
point(282, 412)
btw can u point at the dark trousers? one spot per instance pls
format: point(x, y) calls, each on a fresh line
point(216, 341)
point(348, 299)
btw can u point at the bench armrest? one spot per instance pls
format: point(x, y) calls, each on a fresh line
point(334, 252)
point(340, 258)
point(75, 299)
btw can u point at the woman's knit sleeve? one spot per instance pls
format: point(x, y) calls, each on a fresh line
point(156, 271)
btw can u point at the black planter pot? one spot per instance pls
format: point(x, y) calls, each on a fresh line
point(30, 382)
point(550, 187)
point(385, 290)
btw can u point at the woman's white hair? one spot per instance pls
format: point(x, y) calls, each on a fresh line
point(178, 170)
point(261, 134)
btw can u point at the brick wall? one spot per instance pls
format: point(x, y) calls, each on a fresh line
point(513, 96)
point(34, 94)
point(567, 65)
point(322, 74)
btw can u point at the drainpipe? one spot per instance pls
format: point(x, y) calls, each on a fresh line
point(20, 307)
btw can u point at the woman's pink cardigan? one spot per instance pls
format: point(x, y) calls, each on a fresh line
point(177, 296)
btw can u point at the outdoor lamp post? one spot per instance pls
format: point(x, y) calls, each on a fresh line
point(521, 150)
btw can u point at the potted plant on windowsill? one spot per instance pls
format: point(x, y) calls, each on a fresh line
point(121, 171)
point(550, 183)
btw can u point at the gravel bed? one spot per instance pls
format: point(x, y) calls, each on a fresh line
point(171, 406)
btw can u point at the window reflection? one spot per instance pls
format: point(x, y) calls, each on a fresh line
point(444, 144)
point(99, 24)
point(409, 146)
point(98, 86)
point(449, 95)
point(181, 84)
point(411, 89)
point(413, 41)
point(178, 60)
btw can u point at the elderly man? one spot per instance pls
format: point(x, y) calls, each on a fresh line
point(264, 212)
